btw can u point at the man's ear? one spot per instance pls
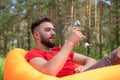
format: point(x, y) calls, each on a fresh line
point(36, 35)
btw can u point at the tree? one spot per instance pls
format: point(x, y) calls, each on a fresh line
point(100, 26)
point(88, 23)
point(60, 20)
point(111, 26)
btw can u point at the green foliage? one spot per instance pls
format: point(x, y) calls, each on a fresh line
point(57, 41)
point(2, 62)
point(14, 27)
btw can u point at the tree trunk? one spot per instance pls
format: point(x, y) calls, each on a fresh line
point(28, 21)
point(61, 26)
point(117, 23)
point(100, 25)
point(96, 27)
point(72, 12)
point(49, 9)
point(111, 26)
point(80, 10)
point(88, 23)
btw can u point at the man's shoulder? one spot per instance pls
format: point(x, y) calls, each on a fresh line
point(34, 50)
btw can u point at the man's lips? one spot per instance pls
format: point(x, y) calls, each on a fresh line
point(52, 38)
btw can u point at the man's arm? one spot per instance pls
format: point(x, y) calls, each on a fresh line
point(54, 65)
point(84, 60)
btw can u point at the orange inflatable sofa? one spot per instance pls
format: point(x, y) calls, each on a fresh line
point(17, 68)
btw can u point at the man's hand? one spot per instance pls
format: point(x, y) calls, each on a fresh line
point(75, 36)
point(80, 69)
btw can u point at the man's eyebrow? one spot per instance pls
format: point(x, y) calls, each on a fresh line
point(49, 28)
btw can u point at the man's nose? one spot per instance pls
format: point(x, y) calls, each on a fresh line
point(53, 32)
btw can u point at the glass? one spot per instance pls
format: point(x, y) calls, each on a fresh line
point(77, 24)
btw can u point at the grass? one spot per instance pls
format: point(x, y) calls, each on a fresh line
point(2, 62)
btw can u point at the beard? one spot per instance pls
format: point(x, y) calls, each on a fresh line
point(47, 42)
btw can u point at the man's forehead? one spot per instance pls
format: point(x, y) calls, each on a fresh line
point(46, 25)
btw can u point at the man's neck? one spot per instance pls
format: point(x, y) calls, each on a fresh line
point(43, 48)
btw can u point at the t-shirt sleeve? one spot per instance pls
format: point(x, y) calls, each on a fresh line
point(71, 54)
point(32, 54)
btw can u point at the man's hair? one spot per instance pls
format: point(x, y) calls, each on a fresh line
point(39, 21)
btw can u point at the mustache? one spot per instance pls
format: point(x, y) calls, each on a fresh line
point(53, 36)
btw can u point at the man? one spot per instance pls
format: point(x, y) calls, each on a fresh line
point(60, 61)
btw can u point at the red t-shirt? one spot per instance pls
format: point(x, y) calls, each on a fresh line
point(68, 68)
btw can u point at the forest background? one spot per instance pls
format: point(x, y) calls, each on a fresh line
point(100, 22)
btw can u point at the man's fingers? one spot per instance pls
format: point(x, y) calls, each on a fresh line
point(77, 70)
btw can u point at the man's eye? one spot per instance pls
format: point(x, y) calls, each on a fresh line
point(47, 29)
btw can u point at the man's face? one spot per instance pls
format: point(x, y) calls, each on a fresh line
point(47, 34)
